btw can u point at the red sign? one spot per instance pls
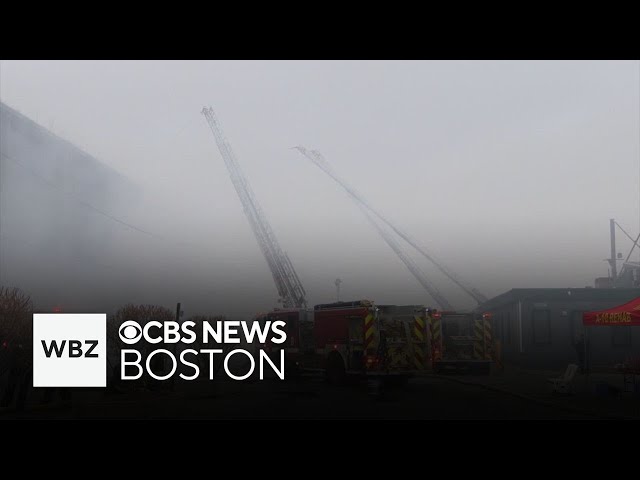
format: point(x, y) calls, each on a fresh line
point(623, 315)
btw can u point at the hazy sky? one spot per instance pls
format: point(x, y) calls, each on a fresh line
point(508, 171)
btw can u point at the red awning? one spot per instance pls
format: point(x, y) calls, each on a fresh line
point(623, 315)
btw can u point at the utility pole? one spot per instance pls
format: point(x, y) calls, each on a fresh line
point(337, 283)
point(612, 260)
point(172, 385)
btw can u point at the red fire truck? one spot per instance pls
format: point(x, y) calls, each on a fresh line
point(356, 338)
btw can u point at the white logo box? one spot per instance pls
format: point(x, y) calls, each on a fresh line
point(66, 370)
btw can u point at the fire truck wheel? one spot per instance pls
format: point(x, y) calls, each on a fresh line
point(335, 369)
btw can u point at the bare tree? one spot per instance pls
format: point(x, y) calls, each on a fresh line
point(138, 313)
point(16, 311)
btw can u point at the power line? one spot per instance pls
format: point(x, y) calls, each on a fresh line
point(79, 200)
point(181, 244)
point(158, 272)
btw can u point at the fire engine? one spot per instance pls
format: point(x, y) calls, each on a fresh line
point(355, 339)
point(461, 342)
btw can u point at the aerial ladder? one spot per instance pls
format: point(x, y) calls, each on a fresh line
point(290, 289)
point(442, 302)
point(317, 158)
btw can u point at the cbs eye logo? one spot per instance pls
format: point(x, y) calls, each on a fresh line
point(130, 332)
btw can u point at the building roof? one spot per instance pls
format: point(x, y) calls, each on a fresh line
point(558, 294)
point(45, 132)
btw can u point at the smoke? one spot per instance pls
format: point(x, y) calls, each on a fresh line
point(498, 168)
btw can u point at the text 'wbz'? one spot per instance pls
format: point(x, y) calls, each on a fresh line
point(219, 332)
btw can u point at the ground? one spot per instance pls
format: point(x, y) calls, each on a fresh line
point(428, 397)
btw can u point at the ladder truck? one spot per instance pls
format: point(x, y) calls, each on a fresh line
point(459, 341)
point(344, 338)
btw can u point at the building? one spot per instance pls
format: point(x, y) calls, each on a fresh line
point(58, 237)
point(538, 327)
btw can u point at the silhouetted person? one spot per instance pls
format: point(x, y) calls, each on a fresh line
point(18, 378)
point(497, 354)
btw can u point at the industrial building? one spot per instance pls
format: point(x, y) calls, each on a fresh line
point(538, 327)
point(57, 203)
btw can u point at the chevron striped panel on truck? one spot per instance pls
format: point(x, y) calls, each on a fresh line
point(488, 336)
point(435, 328)
point(478, 338)
point(369, 332)
point(419, 342)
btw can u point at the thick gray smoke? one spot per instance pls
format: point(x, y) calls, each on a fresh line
point(507, 171)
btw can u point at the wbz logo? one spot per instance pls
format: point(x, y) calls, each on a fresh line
point(69, 350)
point(75, 348)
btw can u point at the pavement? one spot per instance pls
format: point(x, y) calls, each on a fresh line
point(599, 394)
point(511, 394)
